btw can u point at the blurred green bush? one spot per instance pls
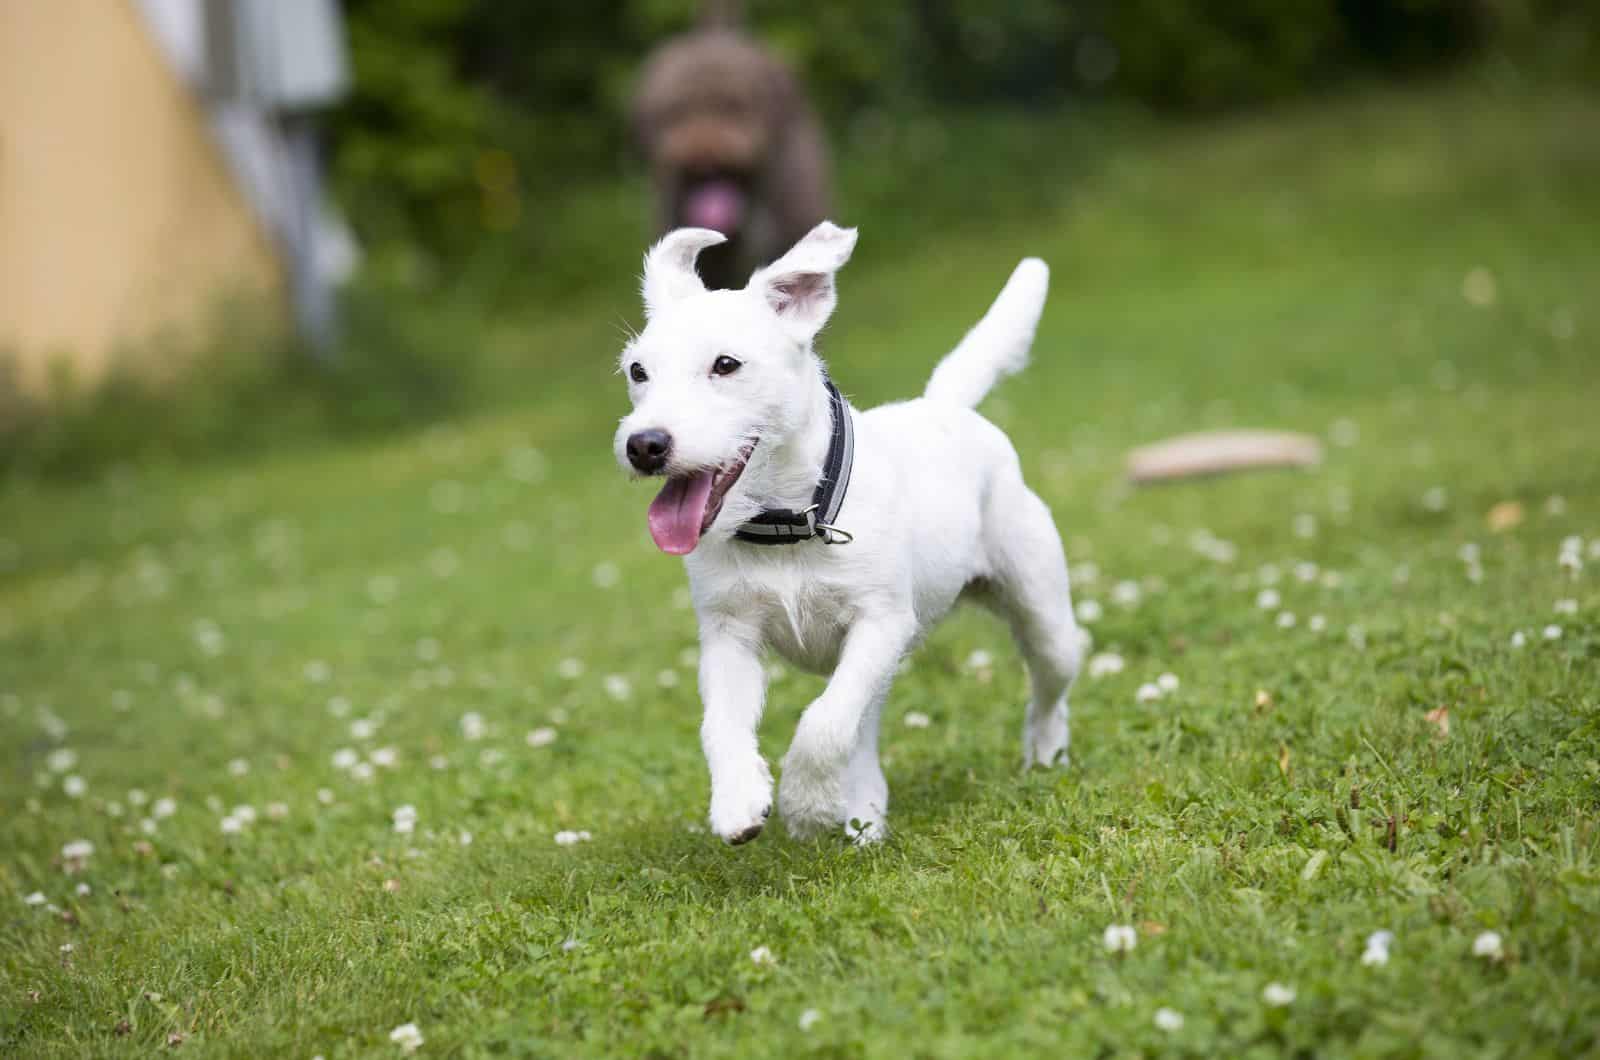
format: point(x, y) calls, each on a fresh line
point(470, 115)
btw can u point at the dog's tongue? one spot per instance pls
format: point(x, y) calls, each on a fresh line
point(678, 511)
point(716, 204)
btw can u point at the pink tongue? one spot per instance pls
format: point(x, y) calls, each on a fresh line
point(678, 511)
point(716, 205)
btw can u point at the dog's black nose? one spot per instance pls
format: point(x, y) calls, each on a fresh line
point(648, 450)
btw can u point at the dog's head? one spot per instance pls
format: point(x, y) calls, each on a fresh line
point(721, 380)
point(710, 110)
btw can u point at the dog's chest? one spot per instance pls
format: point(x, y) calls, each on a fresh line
point(804, 619)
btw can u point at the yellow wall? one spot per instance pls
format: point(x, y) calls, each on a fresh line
point(118, 217)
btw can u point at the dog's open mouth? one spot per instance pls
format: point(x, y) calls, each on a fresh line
point(688, 504)
point(714, 202)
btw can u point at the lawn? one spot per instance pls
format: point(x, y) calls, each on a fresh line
point(1385, 715)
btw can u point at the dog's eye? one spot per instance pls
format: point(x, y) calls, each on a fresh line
point(636, 372)
point(724, 365)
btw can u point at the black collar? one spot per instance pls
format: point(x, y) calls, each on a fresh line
point(783, 526)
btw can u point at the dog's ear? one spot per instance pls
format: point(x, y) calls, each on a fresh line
point(799, 285)
point(669, 274)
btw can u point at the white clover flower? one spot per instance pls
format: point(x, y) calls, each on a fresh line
point(980, 660)
point(542, 737)
point(1317, 623)
point(1105, 663)
point(1305, 572)
point(362, 771)
point(668, 678)
point(915, 719)
point(1552, 632)
point(325, 796)
point(618, 687)
point(232, 825)
point(1148, 692)
point(245, 813)
point(809, 1019)
point(762, 955)
point(61, 759)
point(1489, 946)
point(568, 838)
point(472, 726)
point(83, 890)
point(1169, 1020)
point(1089, 611)
point(1277, 995)
point(1125, 593)
point(1519, 639)
point(345, 758)
point(362, 729)
point(137, 797)
point(1566, 607)
point(1376, 954)
point(36, 898)
point(1120, 938)
point(1167, 682)
point(1286, 620)
point(405, 819)
point(466, 839)
point(1267, 599)
point(77, 850)
point(570, 668)
point(1469, 553)
point(386, 757)
point(407, 1037)
point(74, 786)
point(570, 944)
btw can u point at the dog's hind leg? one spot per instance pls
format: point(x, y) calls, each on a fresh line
point(1029, 588)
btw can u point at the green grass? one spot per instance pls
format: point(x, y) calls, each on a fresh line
point(1303, 269)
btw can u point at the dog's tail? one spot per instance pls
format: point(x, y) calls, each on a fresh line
point(998, 344)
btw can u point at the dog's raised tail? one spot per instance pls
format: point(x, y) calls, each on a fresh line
point(997, 345)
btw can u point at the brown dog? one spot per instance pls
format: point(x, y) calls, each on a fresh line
point(733, 146)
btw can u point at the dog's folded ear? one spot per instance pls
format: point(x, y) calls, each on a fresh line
point(799, 286)
point(669, 274)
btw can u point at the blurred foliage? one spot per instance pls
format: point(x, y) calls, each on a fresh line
point(473, 117)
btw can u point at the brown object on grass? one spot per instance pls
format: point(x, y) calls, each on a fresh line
point(733, 145)
point(1218, 452)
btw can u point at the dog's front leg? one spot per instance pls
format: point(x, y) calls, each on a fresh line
point(813, 792)
point(733, 688)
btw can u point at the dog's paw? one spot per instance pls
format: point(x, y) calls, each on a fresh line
point(865, 833)
point(739, 810)
point(1045, 740)
point(811, 800)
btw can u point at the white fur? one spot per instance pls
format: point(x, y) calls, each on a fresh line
point(936, 504)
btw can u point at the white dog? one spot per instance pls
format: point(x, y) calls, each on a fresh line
point(836, 537)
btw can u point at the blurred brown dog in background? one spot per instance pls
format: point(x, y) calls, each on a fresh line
point(732, 144)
